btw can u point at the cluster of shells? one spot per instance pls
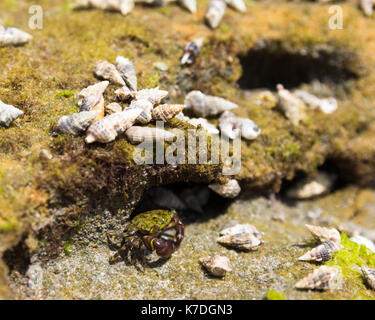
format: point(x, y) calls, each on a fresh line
point(242, 237)
point(104, 123)
point(13, 37)
point(214, 12)
point(8, 114)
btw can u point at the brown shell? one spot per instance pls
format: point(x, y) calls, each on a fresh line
point(166, 112)
point(217, 265)
point(323, 278)
point(107, 71)
point(323, 252)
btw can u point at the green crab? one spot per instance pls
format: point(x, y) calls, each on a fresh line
point(149, 231)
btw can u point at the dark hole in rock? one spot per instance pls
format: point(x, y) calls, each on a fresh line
point(17, 258)
point(268, 63)
point(193, 202)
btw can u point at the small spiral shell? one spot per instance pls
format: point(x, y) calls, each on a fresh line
point(323, 278)
point(231, 189)
point(107, 71)
point(127, 71)
point(321, 253)
point(242, 241)
point(293, 107)
point(112, 108)
point(190, 5)
point(166, 112)
point(325, 234)
point(91, 96)
point(191, 51)
point(13, 37)
point(215, 12)
point(369, 275)
point(8, 114)
point(124, 93)
point(154, 95)
point(146, 107)
point(217, 265)
point(139, 134)
point(238, 5)
point(367, 7)
point(76, 123)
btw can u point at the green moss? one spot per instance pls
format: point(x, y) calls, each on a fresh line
point(64, 93)
point(351, 257)
point(7, 226)
point(290, 150)
point(274, 295)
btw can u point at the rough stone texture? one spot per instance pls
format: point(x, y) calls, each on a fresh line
point(42, 201)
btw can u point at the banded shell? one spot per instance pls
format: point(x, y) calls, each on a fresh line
point(242, 241)
point(215, 12)
point(127, 71)
point(154, 95)
point(367, 7)
point(124, 93)
point(217, 265)
point(76, 123)
point(369, 244)
point(324, 234)
point(190, 5)
point(146, 107)
point(369, 275)
point(230, 125)
point(327, 105)
point(238, 5)
point(139, 134)
point(323, 278)
point(166, 112)
point(191, 51)
point(107, 71)
point(107, 129)
point(231, 189)
point(13, 37)
point(210, 128)
point(242, 228)
point(90, 96)
point(311, 187)
point(8, 114)
point(112, 108)
point(323, 252)
point(204, 105)
point(293, 107)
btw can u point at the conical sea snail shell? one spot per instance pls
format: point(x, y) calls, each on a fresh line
point(215, 12)
point(112, 108)
point(210, 128)
point(369, 275)
point(191, 51)
point(324, 234)
point(293, 107)
point(107, 129)
point(242, 228)
point(146, 107)
point(77, 122)
point(231, 189)
point(8, 114)
point(230, 125)
point(203, 105)
point(217, 265)
point(127, 71)
point(13, 36)
point(166, 112)
point(90, 96)
point(323, 278)
point(323, 252)
point(139, 134)
point(154, 95)
point(190, 5)
point(241, 241)
point(107, 71)
point(124, 93)
point(238, 5)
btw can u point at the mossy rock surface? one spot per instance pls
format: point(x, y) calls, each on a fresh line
point(41, 201)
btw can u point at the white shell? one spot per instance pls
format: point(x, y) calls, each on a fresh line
point(215, 12)
point(166, 112)
point(249, 129)
point(327, 105)
point(154, 95)
point(323, 252)
point(107, 129)
point(210, 128)
point(242, 228)
point(323, 278)
point(107, 71)
point(8, 114)
point(190, 5)
point(242, 241)
point(311, 187)
point(238, 5)
point(369, 275)
point(229, 125)
point(204, 105)
point(324, 234)
point(76, 123)
point(231, 189)
point(191, 51)
point(124, 93)
point(366, 6)
point(293, 107)
point(364, 241)
point(216, 265)
point(124, 6)
point(13, 36)
point(112, 108)
point(127, 71)
point(139, 134)
point(146, 107)
point(90, 96)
